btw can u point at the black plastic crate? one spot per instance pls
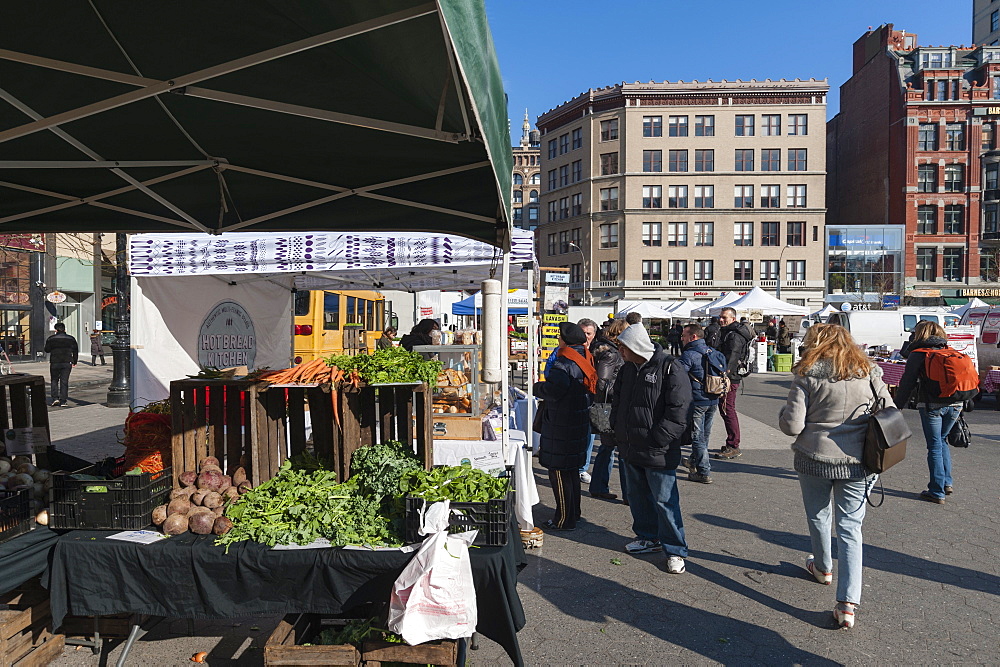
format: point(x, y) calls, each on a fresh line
point(125, 502)
point(15, 513)
point(490, 518)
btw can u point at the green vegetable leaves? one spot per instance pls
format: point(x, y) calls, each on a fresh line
point(389, 365)
point(378, 468)
point(464, 485)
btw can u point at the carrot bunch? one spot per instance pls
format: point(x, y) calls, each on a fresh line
point(311, 372)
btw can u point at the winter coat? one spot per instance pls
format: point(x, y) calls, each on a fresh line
point(650, 410)
point(915, 379)
point(608, 360)
point(733, 339)
point(828, 417)
point(784, 337)
point(408, 341)
point(712, 334)
point(62, 349)
point(383, 342)
point(565, 415)
point(96, 350)
point(693, 361)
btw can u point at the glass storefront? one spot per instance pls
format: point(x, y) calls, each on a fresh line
point(865, 260)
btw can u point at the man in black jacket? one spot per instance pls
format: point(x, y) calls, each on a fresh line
point(712, 333)
point(652, 397)
point(63, 352)
point(733, 340)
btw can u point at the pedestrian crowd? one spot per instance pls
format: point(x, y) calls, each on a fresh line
point(648, 404)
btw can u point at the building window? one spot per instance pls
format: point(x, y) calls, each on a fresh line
point(609, 235)
point(577, 138)
point(991, 222)
point(576, 273)
point(653, 160)
point(677, 234)
point(954, 219)
point(744, 159)
point(552, 244)
point(795, 234)
point(704, 233)
point(926, 264)
point(768, 269)
point(954, 137)
point(935, 59)
point(989, 265)
point(770, 159)
point(704, 160)
point(533, 197)
point(769, 234)
point(652, 234)
point(744, 126)
point(563, 208)
point(651, 269)
point(609, 130)
point(518, 179)
point(652, 126)
point(536, 179)
point(743, 269)
point(564, 175)
point(577, 207)
point(927, 137)
point(795, 269)
point(995, 21)
point(518, 214)
point(987, 136)
point(609, 164)
point(564, 242)
point(677, 269)
point(704, 126)
point(652, 196)
point(677, 196)
point(992, 179)
point(609, 199)
point(678, 161)
point(533, 214)
point(577, 171)
point(770, 125)
point(797, 159)
point(770, 196)
point(704, 196)
point(677, 126)
point(954, 178)
point(609, 271)
point(553, 210)
point(743, 196)
point(796, 196)
point(552, 179)
point(798, 124)
point(564, 144)
point(552, 149)
point(574, 236)
point(927, 220)
point(743, 233)
point(518, 196)
point(704, 269)
point(952, 260)
point(927, 178)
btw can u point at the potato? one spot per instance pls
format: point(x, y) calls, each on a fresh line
point(198, 497)
point(175, 524)
point(160, 515)
point(188, 478)
point(208, 461)
point(186, 492)
point(212, 500)
point(239, 476)
point(244, 487)
point(178, 506)
point(210, 479)
point(227, 482)
point(222, 525)
point(201, 523)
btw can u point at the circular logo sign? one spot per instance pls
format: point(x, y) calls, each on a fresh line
point(846, 307)
point(227, 337)
point(55, 297)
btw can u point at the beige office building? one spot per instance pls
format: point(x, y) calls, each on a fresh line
point(687, 190)
point(985, 22)
point(526, 178)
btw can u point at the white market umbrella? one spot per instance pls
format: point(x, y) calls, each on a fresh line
point(685, 308)
point(824, 314)
point(758, 299)
point(973, 303)
point(724, 300)
point(648, 309)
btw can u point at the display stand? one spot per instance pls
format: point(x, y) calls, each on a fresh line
point(23, 406)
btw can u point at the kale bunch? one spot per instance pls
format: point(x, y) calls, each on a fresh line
point(378, 468)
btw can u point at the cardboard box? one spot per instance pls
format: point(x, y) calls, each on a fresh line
point(448, 427)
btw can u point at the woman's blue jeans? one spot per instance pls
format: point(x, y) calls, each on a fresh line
point(604, 462)
point(937, 424)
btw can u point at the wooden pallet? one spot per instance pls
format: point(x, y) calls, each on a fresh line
point(22, 404)
point(26, 638)
point(445, 653)
point(284, 646)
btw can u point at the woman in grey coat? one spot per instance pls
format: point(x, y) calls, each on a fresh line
point(827, 411)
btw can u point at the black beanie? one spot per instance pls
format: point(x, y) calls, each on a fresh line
point(572, 333)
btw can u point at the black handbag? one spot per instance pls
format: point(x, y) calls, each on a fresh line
point(885, 442)
point(536, 422)
point(959, 435)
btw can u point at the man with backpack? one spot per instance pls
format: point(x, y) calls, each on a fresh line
point(709, 381)
point(735, 346)
point(943, 379)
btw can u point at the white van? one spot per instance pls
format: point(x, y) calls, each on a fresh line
point(987, 321)
point(888, 327)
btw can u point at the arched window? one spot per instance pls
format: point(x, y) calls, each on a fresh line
point(518, 196)
point(536, 179)
point(518, 179)
point(533, 196)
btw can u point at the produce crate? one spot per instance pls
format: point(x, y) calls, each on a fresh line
point(125, 502)
point(114, 625)
point(443, 652)
point(285, 645)
point(15, 514)
point(490, 518)
point(26, 639)
point(23, 404)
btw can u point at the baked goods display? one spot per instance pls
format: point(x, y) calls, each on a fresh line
point(452, 395)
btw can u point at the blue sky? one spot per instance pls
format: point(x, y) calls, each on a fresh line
point(552, 50)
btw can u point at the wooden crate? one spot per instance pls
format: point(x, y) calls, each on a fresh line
point(23, 403)
point(115, 625)
point(284, 646)
point(445, 653)
point(26, 638)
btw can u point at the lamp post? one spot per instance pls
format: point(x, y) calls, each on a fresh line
point(777, 286)
point(585, 272)
point(119, 393)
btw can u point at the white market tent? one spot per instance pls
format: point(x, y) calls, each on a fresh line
point(824, 314)
point(723, 300)
point(685, 308)
point(973, 303)
point(758, 299)
point(648, 309)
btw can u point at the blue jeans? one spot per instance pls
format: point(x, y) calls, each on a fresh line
point(590, 452)
point(656, 507)
point(603, 463)
point(701, 428)
point(937, 423)
point(849, 503)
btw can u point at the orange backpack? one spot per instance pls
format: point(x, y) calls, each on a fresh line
point(954, 371)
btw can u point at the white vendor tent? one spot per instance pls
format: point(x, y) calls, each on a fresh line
point(973, 303)
point(824, 314)
point(685, 309)
point(723, 300)
point(758, 299)
point(648, 309)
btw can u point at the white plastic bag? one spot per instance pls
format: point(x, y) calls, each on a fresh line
point(434, 597)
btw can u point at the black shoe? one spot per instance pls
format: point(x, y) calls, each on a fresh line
point(551, 525)
point(931, 498)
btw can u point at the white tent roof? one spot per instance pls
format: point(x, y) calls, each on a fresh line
point(825, 312)
point(395, 261)
point(685, 308)
point(973, 303)
point(648, 309)
point(758, 299)
point(723, 300)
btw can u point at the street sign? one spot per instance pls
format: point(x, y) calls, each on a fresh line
point(553, 277)
point(55, 296)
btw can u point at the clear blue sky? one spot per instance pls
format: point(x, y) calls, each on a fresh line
point(552, 50)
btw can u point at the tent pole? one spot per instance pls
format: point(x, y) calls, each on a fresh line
point(505, 358)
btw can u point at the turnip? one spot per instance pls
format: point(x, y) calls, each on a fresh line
point(42, 518)
point(22, 479)
point(27, 468)
point(160, 515)
point(175, 524)
point(38, 490)
point(4, 466)
point(18, 460)
point(41, 475)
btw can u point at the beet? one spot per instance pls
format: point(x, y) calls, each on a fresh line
point(212, 500)
point(222, 525)
point(230, 494)
point(182, 493)
point(198, 497)
point(210, 480)
point(188, 478)
point(213, 468)
point(201, 523)
point(244, 487)
point(178, 506)
point(160, 515)
point(175, 524)
point(218, 510)
point(208, 461)
point(227, 482)
point(239, 476)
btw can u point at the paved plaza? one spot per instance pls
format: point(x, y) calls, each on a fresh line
point(931, 581)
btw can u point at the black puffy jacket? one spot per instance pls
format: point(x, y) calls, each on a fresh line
point(733, 340)
point(565, 415)
point(608, 360)
point(62, 349)
point(650, 410)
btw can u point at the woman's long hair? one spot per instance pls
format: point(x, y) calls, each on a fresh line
point(833, 343)
point(614, 329)
point(927, 328)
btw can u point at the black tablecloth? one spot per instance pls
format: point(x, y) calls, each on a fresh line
point(25, 556)
point(187, 576)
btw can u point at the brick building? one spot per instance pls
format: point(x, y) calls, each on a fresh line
point(911, 151)
point(526, 179)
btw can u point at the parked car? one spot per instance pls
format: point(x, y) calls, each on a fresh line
point(890, 328)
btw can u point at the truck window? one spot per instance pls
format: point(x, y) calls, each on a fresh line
point(909, 322)
point(951, 320)
point(837, 318)
point(331, 311)
point(302, 302)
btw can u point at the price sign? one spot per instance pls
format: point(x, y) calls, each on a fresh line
point(554, 318)
point(550, 331)
point(26, 441)
point(522, 321)
point(550, 343)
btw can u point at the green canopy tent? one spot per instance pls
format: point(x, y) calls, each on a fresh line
point(322, 115)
